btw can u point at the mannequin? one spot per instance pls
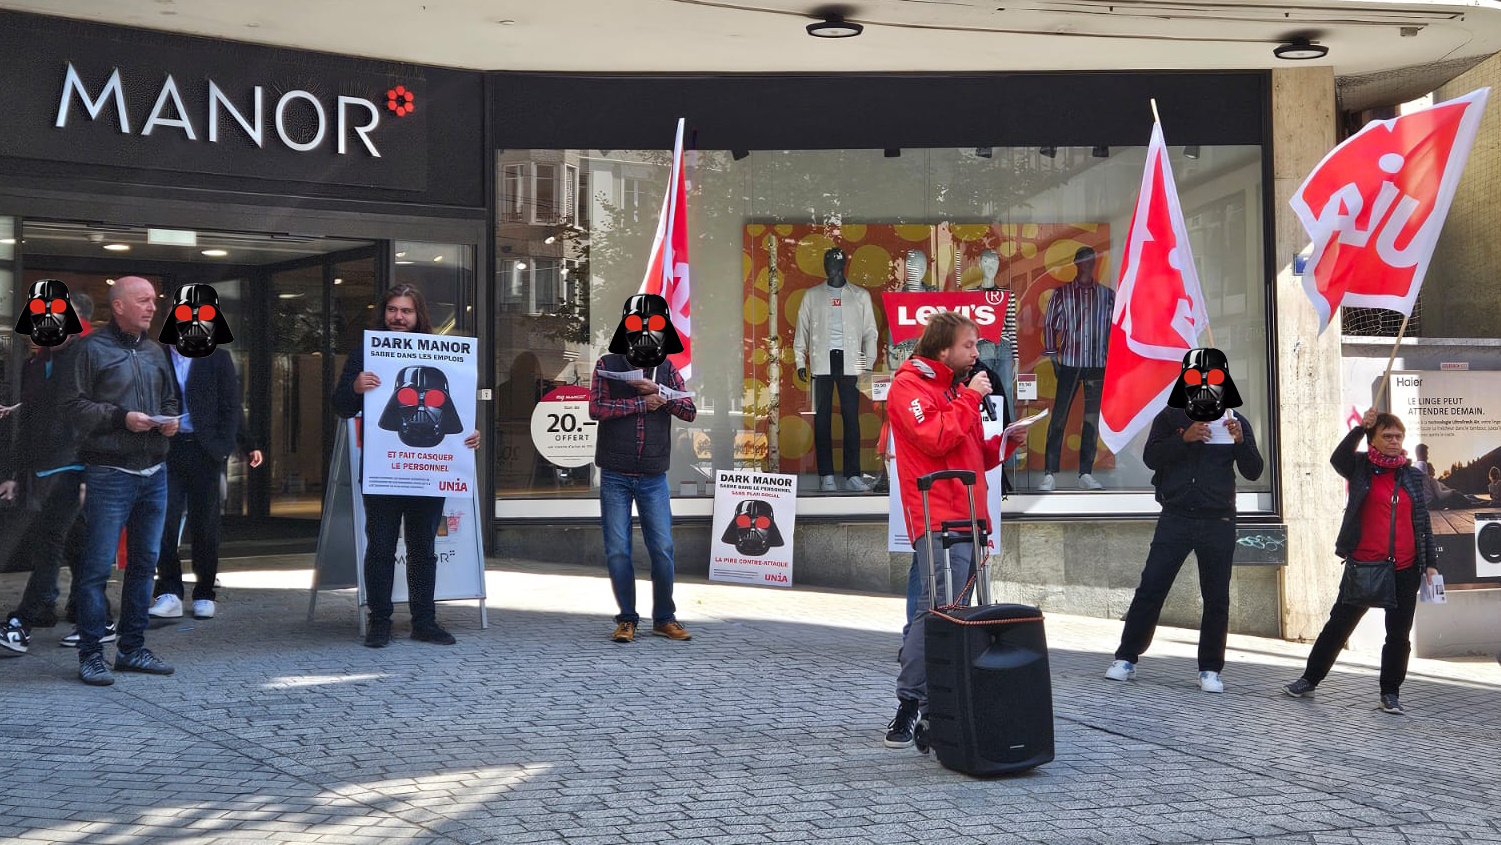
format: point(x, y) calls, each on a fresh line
point(990, 265)
point(917, 271)
point(836, 340)
point(1075, 333)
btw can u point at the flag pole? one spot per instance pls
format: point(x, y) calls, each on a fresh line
point(1386, 377)
point(1157, 118)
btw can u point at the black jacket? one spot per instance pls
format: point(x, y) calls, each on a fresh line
point(116, 373)
point(212, 401)
point(41, 435)
point(1354, 467)
point(1198, 479)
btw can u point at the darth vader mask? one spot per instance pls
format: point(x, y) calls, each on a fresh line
point(196, 326)
point(754, 528)
point(645, 335)
point(1204, 388)
point(421, 411)
point(48, 317)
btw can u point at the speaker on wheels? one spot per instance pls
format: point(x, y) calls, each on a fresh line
point(990, 694)
point(1488, 544)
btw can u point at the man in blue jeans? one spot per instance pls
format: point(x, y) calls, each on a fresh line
point(633, 451)
point(124, 406)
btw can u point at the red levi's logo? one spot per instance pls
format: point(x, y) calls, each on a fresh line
point(838, 302)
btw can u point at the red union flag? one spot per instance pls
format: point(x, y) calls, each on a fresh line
point(667, 271)
point(1376, 203)
point(1159, 307)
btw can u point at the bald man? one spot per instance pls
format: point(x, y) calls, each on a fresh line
point(124, 405)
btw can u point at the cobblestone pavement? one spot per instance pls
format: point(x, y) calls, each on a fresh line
point(766, 727)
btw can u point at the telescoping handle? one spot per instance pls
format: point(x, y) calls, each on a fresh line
point(967, 478)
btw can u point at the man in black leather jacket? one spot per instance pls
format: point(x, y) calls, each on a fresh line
point(124, 406)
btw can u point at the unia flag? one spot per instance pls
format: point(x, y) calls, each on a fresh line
point(1159, 307)
point(667, 271)
point(1376, 203)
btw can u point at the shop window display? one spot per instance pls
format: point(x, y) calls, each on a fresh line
point(1024, 234)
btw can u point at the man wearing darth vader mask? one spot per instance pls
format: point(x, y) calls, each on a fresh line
point(634, 394)
point(1195, 447)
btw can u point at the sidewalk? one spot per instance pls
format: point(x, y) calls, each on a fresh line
point(767, 727)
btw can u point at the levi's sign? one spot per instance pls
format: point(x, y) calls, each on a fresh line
point(907, 314)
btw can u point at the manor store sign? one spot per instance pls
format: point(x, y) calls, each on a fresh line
point(301, 120)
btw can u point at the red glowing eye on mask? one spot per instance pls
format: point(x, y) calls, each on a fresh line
point(1216, 376)
point(183, 313)
point(743, 520)
point(59, 306)
point(407, 396)
point(763, 523)
point(657, 322)
point(206, 313)
point(633, 323)
point(434, 399)
point(37, 306)
point(1192, 378)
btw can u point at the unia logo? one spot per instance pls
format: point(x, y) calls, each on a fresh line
point(300, 120)
point(917, 409)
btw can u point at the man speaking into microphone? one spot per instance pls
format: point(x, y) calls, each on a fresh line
point(935, 419)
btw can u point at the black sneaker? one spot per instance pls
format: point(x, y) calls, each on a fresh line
point(1390, 704)
point(899, 732)
point(14, 636)
point(378, 635)
point(433, 634)
point(93, 671)
point(1298, 688)
point(142, 660)
point(111, 634)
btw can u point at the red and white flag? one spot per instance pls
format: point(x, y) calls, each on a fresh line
point(667, 271)
point(1376, 203)
point(1159, 307)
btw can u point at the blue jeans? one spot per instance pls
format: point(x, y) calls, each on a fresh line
point(914, 592)
point(653, 503)
point(119, 501)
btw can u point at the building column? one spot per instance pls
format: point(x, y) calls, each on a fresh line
point(1308, 365)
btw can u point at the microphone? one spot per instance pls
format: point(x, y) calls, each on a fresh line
point(986, 409)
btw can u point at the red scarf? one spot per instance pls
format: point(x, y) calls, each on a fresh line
point(1380, 460)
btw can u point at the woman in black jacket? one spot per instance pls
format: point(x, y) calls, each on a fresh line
point(1385, 519)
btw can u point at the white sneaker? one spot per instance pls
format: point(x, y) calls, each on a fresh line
point(1121, 670)
point(1210, 682)
point(203, 609)
point(826, 484)
point(857, 484)
point(166, 607)
point(1047, 484)
point(1088, 482)
point(14, 636)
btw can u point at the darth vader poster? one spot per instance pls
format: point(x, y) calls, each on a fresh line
point(418, 415)
point(754, 514)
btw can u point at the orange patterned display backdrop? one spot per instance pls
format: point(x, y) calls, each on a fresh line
point(1033, 259)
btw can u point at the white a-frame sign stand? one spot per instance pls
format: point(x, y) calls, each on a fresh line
point(341, 538)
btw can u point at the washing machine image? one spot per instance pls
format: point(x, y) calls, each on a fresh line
point(1488, 544)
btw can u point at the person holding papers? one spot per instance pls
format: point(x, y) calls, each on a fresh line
point(123, 403)
point(1195, 446)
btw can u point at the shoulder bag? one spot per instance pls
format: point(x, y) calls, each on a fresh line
point(1374, 583)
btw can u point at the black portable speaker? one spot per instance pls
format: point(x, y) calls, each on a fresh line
point(990, 694)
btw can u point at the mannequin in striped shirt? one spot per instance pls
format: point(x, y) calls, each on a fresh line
point(1075, 334)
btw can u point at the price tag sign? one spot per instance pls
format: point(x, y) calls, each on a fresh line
point(561, 429)
point(1026, 387)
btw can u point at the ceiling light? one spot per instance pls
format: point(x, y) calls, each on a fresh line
point(1100, 152)
point(437, 258)
point(1191, 152)
point(7, 241)
point(117, 247)
point(109, 281)
point(338, 281)
point(521, 265)
point(1300, 49)
point(289, 296)
point(216, 253)
point(551, 239)
point(404, 262)
point(834, 26)
point(370, 307)
point(468, 307)
point(1048, 152)
point(401, 255)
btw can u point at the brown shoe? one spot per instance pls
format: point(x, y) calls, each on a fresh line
point(672, 631)
point(625, 632)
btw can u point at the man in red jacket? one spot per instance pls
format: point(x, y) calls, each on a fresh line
point(935, 417)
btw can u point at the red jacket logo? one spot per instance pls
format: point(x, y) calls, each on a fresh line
point(917, 409)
